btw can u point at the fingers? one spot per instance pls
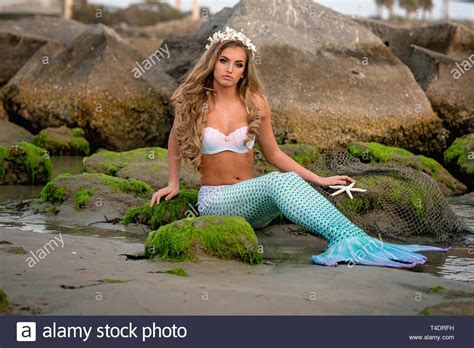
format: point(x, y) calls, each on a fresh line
point(347, 178)
point(156, 197)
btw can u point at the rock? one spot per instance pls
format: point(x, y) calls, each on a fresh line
point(448, 38)
point(162, 30)
point(459, 157)
point(16, 50)
point(448, 86)
point(333, 94)
point(225, 237)
point(304, 154)
point(20, 39)
point(378, 153)
point(436, 53)
point(24, 163)
point(178, 207)
point(12, 133)
point(62, 141)
point(401, 204)
point(149, 164)
point(86, 85)
point(45, 27)
point(89, 198)
point(145, 14)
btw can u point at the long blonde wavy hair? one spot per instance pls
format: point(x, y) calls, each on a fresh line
point(191, 100)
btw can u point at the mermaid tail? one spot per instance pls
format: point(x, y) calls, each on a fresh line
point(370, 251)
point(263, 198)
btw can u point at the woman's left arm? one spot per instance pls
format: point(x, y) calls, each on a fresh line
point(281, 160)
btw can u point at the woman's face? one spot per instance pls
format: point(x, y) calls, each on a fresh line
point(230, 66)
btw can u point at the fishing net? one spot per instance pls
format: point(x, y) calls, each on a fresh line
point(401, 203)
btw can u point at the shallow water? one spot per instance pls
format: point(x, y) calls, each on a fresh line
point(457, 264)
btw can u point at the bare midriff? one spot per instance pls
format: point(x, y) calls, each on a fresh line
point(226, 168)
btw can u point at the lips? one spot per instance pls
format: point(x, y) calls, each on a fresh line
point(227, 77)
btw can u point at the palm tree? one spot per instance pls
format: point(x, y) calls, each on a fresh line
point(446, 10)
point(426, 6)
point(388, 4)
point(409, 6)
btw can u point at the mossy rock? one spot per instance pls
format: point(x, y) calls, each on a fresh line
point(400, 204)
point(148, 164)
point(24, 163)
point(225, 237)
point(375, 153)
point(63, 141)
point(182, 205)
point(304, 154)
point(93, 195)
point(459, 158)
point(450, 308)
point(4, 306)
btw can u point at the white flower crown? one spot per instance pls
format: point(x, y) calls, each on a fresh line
point(231, 34)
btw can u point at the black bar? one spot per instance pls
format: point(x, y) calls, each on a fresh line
point(245, 331)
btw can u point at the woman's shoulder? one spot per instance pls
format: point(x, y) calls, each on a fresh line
point(260, 100)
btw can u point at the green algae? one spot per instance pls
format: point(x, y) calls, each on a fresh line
point(177, 271)
point(83, 196)
point(461, 153)
point(3, 154)
point(304, 154)
point(380, 154)
point(225, 237)
point(166, 212)
point(110, 162)
point(408, 197)
point(75, 144)
point(56, 191)
point(4, 305)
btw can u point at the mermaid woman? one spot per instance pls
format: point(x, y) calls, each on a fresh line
point(220, 111)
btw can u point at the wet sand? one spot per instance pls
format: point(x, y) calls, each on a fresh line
point(90, 276)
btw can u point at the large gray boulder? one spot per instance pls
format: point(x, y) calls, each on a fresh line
point(440, 56)
point(92, 84)
point(449, 86)
point(448, 38)
point(20, 39)
point(329, 80)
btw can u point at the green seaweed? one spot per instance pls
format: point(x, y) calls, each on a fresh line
point(3, 154)
point(76, 144)
point(224, 237)
point(110, 162)
point(34, 159)
point(177, 271)
point(166, 212)
point(4, 305)
point(82, 196)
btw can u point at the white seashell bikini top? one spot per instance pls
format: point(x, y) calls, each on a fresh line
point(214, 141)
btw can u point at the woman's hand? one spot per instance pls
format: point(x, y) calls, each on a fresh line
point(336, 180)
point(169, 191)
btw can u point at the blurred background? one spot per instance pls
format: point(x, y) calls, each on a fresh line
point(116, 10)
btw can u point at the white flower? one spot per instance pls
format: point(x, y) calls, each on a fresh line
point(231, 34)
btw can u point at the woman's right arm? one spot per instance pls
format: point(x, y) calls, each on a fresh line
point(174, 164)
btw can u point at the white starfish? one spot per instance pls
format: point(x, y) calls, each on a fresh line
point(347, 189)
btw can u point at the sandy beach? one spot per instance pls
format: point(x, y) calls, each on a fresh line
point(92, 276)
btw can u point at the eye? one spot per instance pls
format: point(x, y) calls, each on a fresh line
point(222, 60)
point(240, 65)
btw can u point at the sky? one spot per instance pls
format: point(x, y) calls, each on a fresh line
point(457, 10)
